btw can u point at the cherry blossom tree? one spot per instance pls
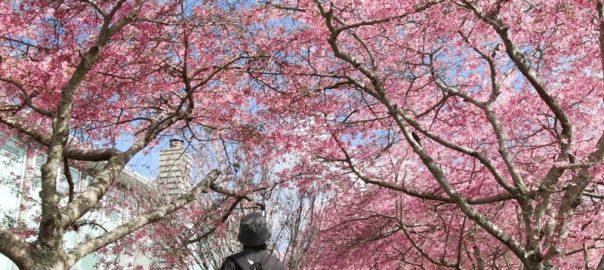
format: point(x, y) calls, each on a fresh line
point(76, 76)
point(435, 133)
point(448, 134)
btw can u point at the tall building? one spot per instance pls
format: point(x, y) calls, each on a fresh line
point(174, 170)
point(174, 179)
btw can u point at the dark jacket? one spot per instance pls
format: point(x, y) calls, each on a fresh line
point(244, 259)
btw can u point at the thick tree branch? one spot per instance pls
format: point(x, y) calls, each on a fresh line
point(91, 154)
point(572, 197)
point(16, 249)
point(70, 152)
point(282, 7)
point(546, 188)
point(69, 178)
point(18, 124)
point(145, 219)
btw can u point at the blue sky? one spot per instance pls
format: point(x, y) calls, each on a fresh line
point(146, 162)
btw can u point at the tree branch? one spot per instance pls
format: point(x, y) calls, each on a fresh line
point(423, 253)
point(235, 195)
point(43, 139)
point(504, 196)
point(27, 97)
point(139, 222)
point(385, 19)
point(222, 219)
point(16, 249)
point(572, 196)
point(380, 94)
point(520, 60)
point(69, 178)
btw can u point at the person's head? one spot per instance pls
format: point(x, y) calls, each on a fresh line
point(253, 230)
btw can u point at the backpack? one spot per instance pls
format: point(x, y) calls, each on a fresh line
point(244, 263)
point(241, 262)
point(256, 266)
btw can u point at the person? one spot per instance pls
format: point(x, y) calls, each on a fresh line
point(253, 234)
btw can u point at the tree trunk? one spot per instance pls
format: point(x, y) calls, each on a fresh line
point(46, 258)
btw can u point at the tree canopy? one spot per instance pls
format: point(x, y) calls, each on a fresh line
point(438, 134)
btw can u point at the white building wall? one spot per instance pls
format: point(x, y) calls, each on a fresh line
point(12, 173)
